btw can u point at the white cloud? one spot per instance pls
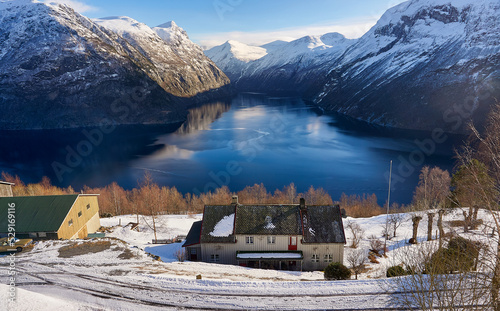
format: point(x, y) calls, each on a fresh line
point(351, 29)
point(78, 6)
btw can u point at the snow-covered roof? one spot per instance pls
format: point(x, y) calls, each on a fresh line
point(224, 227)
point(317, 224)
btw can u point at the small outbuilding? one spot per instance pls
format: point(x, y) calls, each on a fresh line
point(50, 217)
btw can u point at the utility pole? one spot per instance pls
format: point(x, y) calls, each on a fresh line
point(387, 215)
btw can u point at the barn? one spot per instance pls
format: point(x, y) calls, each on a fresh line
point(6, 189)
point(275, 236)
point(50, 217)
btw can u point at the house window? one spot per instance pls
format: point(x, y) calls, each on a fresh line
point(249, 239)
point(271, 240)
point(32, 234)
point(193, 251)
point(214, 258)
point(80, 214)
point(88, 206)
point(328, 258)
point(42, 234)
point(70, 222)
point(315, 258)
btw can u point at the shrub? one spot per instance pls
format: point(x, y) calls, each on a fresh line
point(337, 271)
point(180, 255)
point(376, 245)
point(395, 271)
point(460, 255)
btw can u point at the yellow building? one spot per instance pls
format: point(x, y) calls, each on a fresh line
point(6, 189)
point(50, 217)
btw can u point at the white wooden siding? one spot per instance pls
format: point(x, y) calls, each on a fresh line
point(227, 251)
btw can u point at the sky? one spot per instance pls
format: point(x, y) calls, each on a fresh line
point(255, 22)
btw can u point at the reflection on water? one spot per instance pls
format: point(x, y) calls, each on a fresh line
point(200, 118)
point(251, 140)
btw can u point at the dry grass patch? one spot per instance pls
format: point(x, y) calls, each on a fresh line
point(78, 249)
point(118, 272)
point(127, 254)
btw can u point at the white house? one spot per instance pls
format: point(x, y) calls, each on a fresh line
point(291, 236)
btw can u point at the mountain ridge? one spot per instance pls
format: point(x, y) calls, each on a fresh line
point(413, 69)
point(59, 69)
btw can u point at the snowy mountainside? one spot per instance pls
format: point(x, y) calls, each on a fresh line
point(209, 75)
point(278, 66)
point(419, 60)
point(59, 63)
point(181, 70)
point(232, 57)
point(425, 63)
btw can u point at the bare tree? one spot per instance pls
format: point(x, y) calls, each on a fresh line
point(431, 193)
point(356, 231)
point(357, 259)
point(180, 254)
point(487, 185)
point(467, 189)
point(395, 221)
point(440, 226)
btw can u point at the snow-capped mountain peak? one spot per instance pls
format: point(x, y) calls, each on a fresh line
point(172, 33)
point(126, 27)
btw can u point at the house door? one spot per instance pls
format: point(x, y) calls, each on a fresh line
point(292, 244)
point(193, 254)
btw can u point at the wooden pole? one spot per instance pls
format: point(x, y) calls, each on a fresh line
point(387, 215)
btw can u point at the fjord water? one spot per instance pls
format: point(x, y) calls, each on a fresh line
point(250, 139)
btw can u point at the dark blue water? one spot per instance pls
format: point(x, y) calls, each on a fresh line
point(251, 139)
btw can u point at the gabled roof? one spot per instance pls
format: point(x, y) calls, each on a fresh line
point(36, 213)
point(193, 237)
point(268, 219)
point(317, 224)
point(213, 215)
point(323, 224)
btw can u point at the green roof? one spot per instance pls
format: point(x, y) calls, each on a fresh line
point(36, 213)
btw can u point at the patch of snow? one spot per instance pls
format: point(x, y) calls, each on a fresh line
point(224, 227)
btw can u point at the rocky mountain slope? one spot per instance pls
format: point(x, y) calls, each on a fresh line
point(425, 64)
point(60, 69)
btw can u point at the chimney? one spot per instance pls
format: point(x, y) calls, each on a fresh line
point(303, 204)
point(234, 200)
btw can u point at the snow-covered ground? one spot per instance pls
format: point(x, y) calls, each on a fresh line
point(122, 276)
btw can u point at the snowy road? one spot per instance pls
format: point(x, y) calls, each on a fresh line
point(109, 291)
